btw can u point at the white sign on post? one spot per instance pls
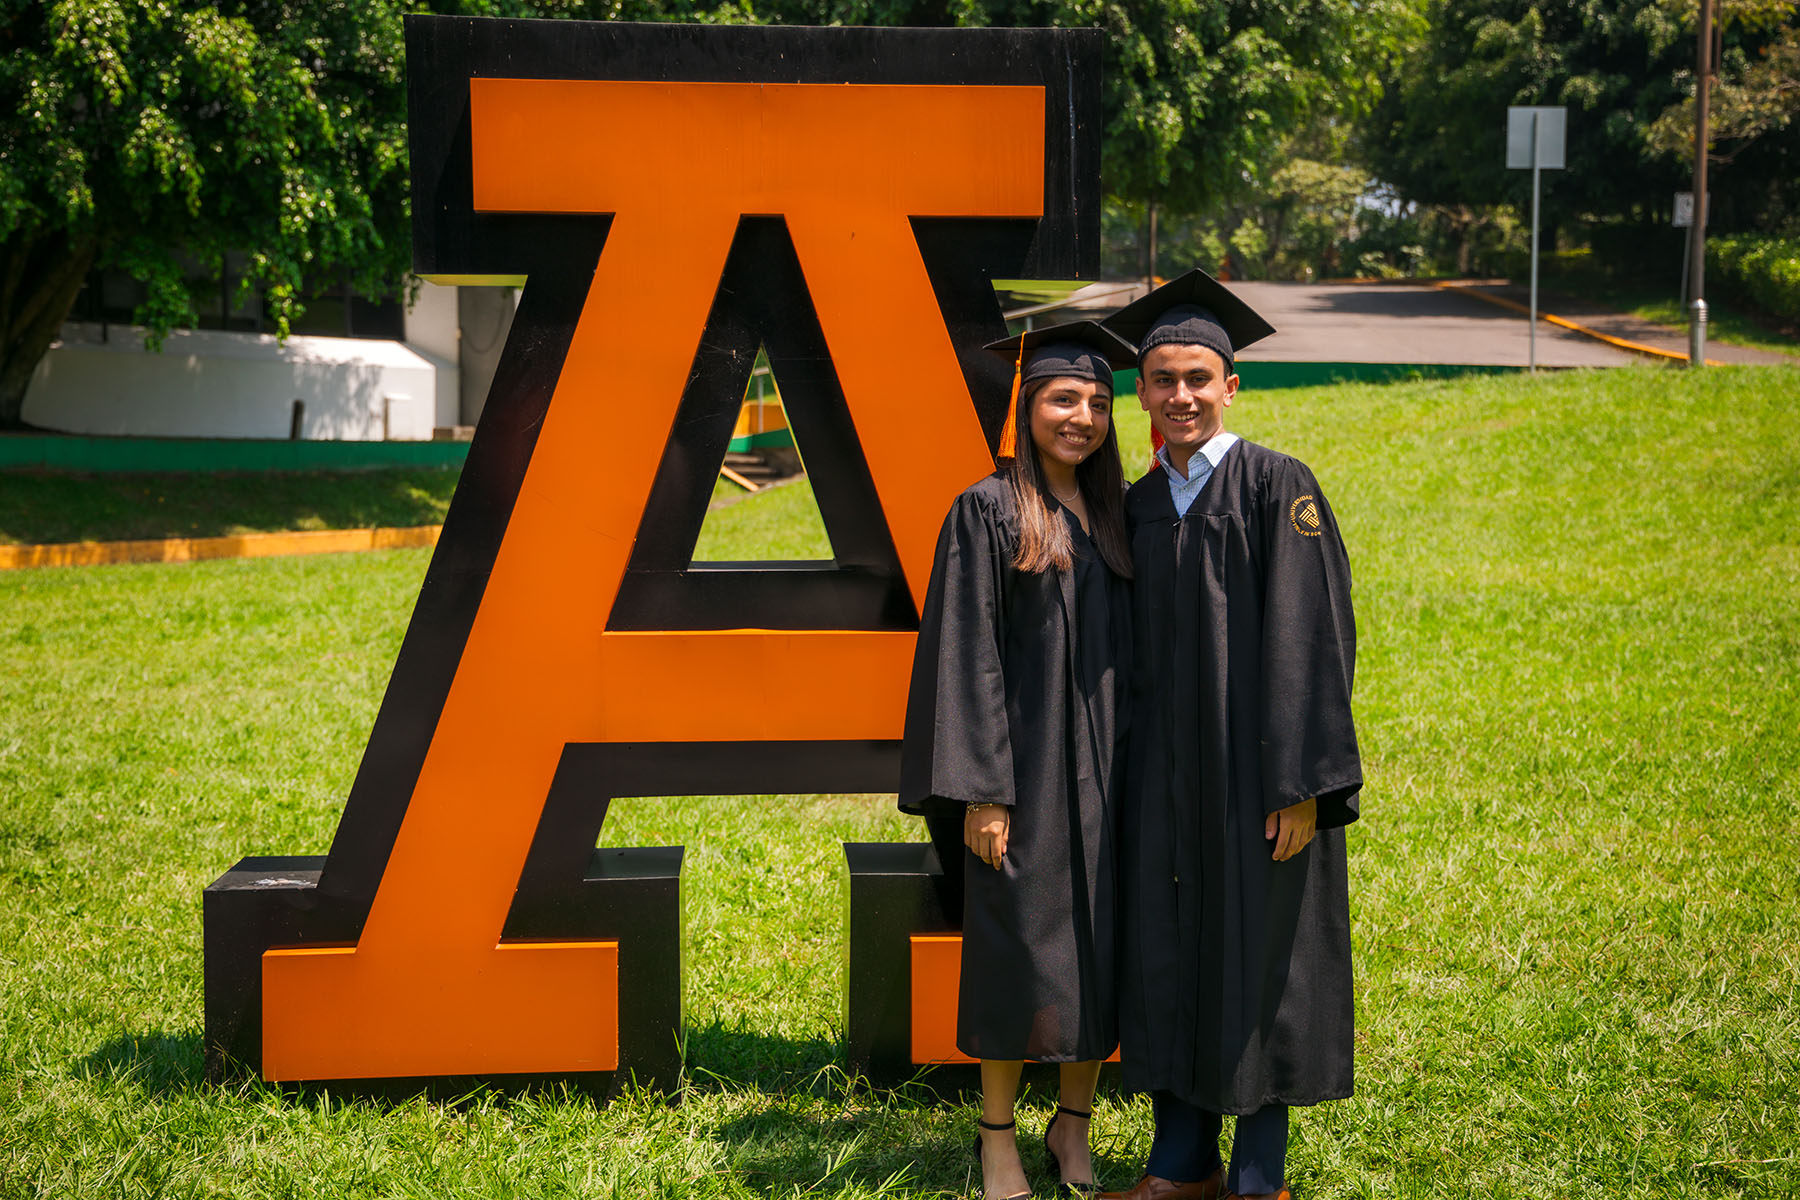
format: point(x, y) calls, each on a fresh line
point(1534, 142)
point(1550, 124)
point(1684, 219)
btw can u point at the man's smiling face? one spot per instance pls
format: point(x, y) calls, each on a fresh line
point(1186, 391)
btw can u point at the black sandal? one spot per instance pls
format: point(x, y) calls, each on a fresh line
point(1026, 1195)
point(1067, 1189)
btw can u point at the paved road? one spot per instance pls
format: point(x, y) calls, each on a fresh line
point(1419, 323)
point(1409, 323)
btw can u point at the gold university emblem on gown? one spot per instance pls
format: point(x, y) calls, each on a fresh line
point(1303, 514)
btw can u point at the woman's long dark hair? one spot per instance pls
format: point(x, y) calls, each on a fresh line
point(1044, 542)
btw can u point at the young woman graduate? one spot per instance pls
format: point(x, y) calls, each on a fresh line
point(1018, 697)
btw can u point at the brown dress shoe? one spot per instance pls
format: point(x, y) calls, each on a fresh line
point(1283, 1194)
point(1150, 1187)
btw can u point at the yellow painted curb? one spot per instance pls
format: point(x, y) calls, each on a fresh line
point(1609, 339)
point(244, 545)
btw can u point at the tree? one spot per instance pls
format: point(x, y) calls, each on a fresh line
point(1438, 133)
point(1200, 95)
point(1293, 223)
point(137, 133)
point(1758, 89)
point(151, 135)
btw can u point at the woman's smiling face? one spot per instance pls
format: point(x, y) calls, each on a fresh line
point(1069, 420)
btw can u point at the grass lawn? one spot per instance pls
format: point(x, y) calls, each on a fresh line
point(1574, 884)
point(1725, 322)
point(779, 522)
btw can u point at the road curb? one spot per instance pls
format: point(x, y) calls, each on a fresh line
point(1464, 289)
point(245, 545)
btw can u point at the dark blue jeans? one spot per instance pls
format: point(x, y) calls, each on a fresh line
point(1186, 1148)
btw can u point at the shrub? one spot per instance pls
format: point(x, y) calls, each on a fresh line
point(1765, 269)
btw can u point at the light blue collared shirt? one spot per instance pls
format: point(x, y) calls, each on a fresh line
point(1184, 490)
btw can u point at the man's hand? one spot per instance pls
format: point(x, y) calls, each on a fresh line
point(1291, 828)
point(985, 827)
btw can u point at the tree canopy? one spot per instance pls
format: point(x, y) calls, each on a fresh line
point(156, 135)
point(1624, 68)
point(1200, 95)
point(145, 134)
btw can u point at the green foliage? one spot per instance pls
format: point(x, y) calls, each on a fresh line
point(1316, 219)
point(1204, 95)
point(1639, 269)
point(158, 135)
point(1200, 95)
point(1621, 66)
point(1765, 269)
point(163, 132)
point(1291, 223)
point(1439, 133)
point(1758, 90)
point(1573, 886)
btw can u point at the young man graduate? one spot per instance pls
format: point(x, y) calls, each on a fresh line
point(1235, 986)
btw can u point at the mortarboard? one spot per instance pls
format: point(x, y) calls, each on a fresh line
point(1072, 350)
point(1191, 310)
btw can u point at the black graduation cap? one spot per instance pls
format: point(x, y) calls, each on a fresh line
point(1191, 310)
point(1072, 350)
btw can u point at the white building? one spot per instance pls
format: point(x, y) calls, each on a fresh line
point(406, 372)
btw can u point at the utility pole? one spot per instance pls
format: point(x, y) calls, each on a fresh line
point(1704, 67)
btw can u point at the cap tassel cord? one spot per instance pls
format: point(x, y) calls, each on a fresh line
point(1009, 432)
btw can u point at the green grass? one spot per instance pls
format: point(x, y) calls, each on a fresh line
point(41, 506)
point(780, 522)
point(1574, 883)
point(1725, 322)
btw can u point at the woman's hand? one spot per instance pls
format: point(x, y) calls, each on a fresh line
point(985, 827)
point(1291, 829)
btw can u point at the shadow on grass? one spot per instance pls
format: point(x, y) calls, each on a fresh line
point(166, 1064)
point(43, 507)
point(880, 1147)
point(718, 1056)
point(871, 1151)
point(914, 1137)
point(160, 1063)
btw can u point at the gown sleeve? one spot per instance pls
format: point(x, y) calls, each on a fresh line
point(957, 748)
point(1308, 652)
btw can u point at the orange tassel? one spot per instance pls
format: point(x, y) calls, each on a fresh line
point(1009, 432)
point(1156, 443)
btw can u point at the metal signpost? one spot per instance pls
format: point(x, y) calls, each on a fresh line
point(1534, 140)
point(1706, 63)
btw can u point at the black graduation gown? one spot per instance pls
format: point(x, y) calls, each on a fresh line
point(1018, 689)
point(1235, 988)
